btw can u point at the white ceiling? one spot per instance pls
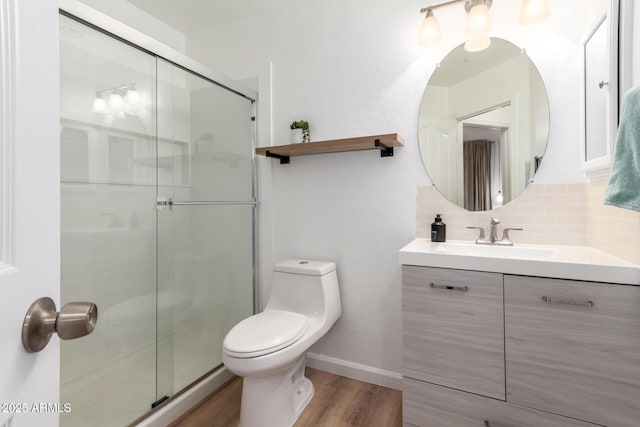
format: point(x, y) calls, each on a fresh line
point(461, 65)
point(188, 16)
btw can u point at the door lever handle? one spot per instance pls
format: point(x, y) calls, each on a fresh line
point(75, 320)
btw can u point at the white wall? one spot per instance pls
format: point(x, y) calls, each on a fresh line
point(355, 69)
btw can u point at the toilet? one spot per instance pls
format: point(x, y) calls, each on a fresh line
point(268, 349)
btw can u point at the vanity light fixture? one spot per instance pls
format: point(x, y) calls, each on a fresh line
point(534, 11)
point(117, 100)
point(132, 96)
point(478, 24)
point(99, 104)
point(430, 33)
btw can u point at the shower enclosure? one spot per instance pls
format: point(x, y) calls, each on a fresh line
point(158, 222)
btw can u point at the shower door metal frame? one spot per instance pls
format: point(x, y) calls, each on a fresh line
point(113, 28)
point(132, 37)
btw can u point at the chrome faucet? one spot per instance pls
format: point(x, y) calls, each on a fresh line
point(493, 230)
point(493, 234)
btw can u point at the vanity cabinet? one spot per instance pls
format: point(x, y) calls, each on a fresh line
point(574, 348)
point(487, 349)
point(453, 329)
point(429, 405)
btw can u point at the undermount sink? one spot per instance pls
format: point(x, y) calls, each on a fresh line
point(519, 251)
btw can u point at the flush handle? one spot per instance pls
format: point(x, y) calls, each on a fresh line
point(74, 320)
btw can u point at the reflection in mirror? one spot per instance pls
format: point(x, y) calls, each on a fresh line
point(483, 125)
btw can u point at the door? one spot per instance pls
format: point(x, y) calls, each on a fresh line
point(205, 240)
point(29, 200)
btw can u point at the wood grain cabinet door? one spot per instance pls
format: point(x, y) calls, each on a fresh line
point(428, 405)
point(453, 329)
point(573, 348)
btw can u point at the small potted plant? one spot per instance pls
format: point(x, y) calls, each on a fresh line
point(300, 131)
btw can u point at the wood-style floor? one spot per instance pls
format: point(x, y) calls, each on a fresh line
point(337, 402)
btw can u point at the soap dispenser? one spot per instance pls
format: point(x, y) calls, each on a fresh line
point(438, 230)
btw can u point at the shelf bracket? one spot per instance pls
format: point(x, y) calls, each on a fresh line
point(284, 160)
point(385, 151)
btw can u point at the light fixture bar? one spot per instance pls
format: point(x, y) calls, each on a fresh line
point(469, 4)
point(117, 88)
point(435, 6)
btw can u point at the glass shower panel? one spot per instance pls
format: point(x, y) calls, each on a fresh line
point(211, 290)
point(205, 255)
point(108, 223)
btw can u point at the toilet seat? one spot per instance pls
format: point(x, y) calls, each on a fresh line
point(264, 333)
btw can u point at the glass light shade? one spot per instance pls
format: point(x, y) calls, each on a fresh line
point(534, 11)
point(132, 97)
point(499, 197)
point(430, 33)
point(99, 105)
point(115, 100)
point(478, 22)
point(476, 44)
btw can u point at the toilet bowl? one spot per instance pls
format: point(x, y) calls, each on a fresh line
point(268, 349)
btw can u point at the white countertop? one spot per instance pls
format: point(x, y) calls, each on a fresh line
point(564, 262)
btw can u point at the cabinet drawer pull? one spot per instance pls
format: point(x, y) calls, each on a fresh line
point(557, 301)
point(450, 288)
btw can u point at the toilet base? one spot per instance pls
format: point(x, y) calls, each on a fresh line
point(277, 398)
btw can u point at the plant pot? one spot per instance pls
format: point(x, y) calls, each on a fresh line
point(296, 136)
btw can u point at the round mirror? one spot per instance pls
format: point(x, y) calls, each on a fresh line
point(483, 125)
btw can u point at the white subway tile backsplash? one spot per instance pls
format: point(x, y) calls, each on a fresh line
point(611, 229)
point(551, 214)
point(562, 214)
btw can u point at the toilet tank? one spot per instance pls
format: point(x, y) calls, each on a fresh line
point(307, 287)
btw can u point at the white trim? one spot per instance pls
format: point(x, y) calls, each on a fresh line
point(601, 166)
point(107, 23)
point(8, 83)
point(625, 49)
point(355, 370)
point(187, 400)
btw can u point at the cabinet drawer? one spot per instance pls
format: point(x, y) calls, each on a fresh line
point(428, 405)
point(573, 348)
point(453, 329)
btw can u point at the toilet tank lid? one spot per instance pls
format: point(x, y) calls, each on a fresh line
point(306, 267)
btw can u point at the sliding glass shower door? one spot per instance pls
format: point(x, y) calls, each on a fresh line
point(169, 278)
point(205, 252)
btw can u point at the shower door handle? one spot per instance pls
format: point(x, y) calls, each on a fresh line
point(74, 320)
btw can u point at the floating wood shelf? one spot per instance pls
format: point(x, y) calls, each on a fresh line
point(384, 143)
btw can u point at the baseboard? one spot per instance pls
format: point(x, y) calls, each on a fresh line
point(187, 400)
point(355, 371)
